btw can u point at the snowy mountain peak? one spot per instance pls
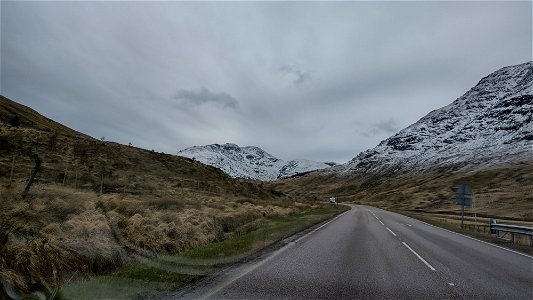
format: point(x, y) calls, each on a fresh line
point(489, 124)
point(250, 161)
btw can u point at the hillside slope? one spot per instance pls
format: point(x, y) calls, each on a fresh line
point(490, 124)
point(250, 162)
point(96, 205)
point(13, 112)
point(484, 138)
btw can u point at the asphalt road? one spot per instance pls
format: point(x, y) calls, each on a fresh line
point(368, 253)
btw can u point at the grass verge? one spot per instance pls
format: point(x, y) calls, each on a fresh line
point(151, 277)
point(452, 226)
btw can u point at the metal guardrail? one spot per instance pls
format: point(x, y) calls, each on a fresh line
point(496, 228)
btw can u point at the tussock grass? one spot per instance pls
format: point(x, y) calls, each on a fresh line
point(80, 232)
point(171, 272)
point(500, 191)
point(98, 205)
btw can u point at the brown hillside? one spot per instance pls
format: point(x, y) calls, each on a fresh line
point(96, 205)
point(73, 159)
point(501, 191)
point(29, 118)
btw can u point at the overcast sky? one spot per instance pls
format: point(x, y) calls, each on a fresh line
point(322, 81)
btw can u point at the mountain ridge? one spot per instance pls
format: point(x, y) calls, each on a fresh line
point(484, 139)
point(490, 123)
point(250, 162)
point(30, 118)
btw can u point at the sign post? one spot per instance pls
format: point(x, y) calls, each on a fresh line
point(463, 197)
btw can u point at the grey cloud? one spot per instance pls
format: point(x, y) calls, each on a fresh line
point(204, 95)
point(298, 75)
point(389, 126)
point(370, 62)
point(385, 127)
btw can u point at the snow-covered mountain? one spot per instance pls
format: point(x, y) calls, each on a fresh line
point(250, 162)
point(490, 124)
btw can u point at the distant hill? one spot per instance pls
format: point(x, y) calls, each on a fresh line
point(11, 111)
point(97, 205)
point(75, 158)
point(250, 162)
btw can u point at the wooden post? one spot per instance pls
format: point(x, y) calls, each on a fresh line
point(474, 208)
point(12, 168)
point(462, 214)
point(32, 175)
point(102, 184)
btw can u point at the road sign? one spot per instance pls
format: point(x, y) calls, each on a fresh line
point(463, 201)
point(463, 195)
point(334, 200)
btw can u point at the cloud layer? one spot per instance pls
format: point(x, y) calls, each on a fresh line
point(316, 80)
point(203, 95)
point(297, 75)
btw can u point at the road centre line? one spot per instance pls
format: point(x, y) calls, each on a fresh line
point(419, 257)
point(381, 222)
point(465, 236)
point(390, 231)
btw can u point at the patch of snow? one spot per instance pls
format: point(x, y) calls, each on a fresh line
point(492, 123)
point(250, 162)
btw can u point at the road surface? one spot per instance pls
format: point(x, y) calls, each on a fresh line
point(368, 253)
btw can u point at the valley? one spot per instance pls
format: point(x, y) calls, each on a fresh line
point(72, 206)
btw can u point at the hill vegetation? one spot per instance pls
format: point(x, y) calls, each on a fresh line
point(500, 191)
point(95, 205)
point(483, 139)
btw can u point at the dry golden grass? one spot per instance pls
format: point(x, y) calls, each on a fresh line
point(30, 118)
point(501, 191)
point(79, 231)
point(148, 203)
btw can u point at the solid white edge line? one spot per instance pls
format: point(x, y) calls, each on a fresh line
point(466, 236)
point(469, 237)
point(390, 231)
point(419, 257)
point(338, 216)
point(224, 284)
